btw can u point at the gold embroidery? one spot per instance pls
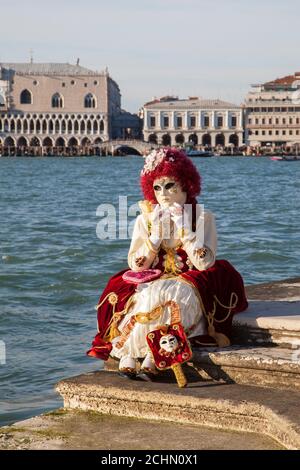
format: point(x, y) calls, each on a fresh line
point(145, 317)
point(112, 299)
point(171, 265)
point(112, 330)
point(221, 339)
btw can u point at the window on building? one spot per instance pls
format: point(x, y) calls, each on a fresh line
point(283, 132)
point(297, 132)
point(263, 132)
point(256, 121)
point(193, 121)
point(220, 121)
point(277, 110)
point(166, 121)
point(233, 121)
point(283, 121)
point(270, 121)
point(63, 84)
point(270, 132)
point(276, 121)
point(249, 120)
point(297, 120)
point(90, 101)
point(26, 97)
point(290, 121)
point(291, 132)
point(179, 121)
point(283, 110)
point(206, 121)
point(277, 132)
point(263, 121)
point(263, 110)
point(256, 132)
point(270, 110)
point(57, 101)
point(152, 121)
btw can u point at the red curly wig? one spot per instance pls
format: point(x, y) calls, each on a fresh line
point(175, 164)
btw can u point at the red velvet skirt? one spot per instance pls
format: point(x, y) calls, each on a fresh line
point(221, 290)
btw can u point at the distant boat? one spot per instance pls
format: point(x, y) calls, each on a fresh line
point(199, 153)
point(291, 158)
point(286, 158)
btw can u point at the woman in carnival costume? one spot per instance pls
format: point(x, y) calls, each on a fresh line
point(174, 247)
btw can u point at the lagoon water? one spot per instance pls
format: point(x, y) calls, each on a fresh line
point(53, 266)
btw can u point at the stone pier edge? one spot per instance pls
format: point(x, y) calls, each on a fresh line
point(242, 416)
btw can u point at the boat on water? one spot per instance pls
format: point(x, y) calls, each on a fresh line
point(286, 158)
point(199, 153)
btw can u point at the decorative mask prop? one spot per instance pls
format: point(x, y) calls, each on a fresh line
point(170, 349)
point(168, 344)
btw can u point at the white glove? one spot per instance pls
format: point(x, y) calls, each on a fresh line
point(181, 222)
point(160, 221)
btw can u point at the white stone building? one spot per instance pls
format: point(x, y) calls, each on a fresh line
point(272, 113)
point(207, 123)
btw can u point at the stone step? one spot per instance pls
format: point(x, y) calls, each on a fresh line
point(274, 413)
point(273, 316)
point(273, 367)
point(273, 322)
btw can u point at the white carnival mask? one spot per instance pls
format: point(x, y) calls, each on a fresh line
point(168, 191)
point(168, 343)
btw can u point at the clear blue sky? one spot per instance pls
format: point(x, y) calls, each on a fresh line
point(208, 48)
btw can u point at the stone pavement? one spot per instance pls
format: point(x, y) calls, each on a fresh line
point(74, 429)
point(230, 407)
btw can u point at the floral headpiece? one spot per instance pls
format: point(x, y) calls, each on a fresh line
point(154, 159)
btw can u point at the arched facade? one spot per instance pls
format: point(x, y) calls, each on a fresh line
point(234, 139)
point(9, 142)
point(57, 101)
point(90, 101)
point(166, 140)
point(152, 139)
point(220, 140)
point(47, 142)
point(60, 142)
point(193, 138)
point(179, 139)
point(206, 140)
point(22, 142)
point(73, 142)
point(25, 97)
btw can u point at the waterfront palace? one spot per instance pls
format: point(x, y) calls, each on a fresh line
point(46, 105)
point(207, 123)
point(272, 113)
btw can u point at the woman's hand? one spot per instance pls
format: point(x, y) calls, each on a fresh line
point(180, 219)
point(160, 224)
